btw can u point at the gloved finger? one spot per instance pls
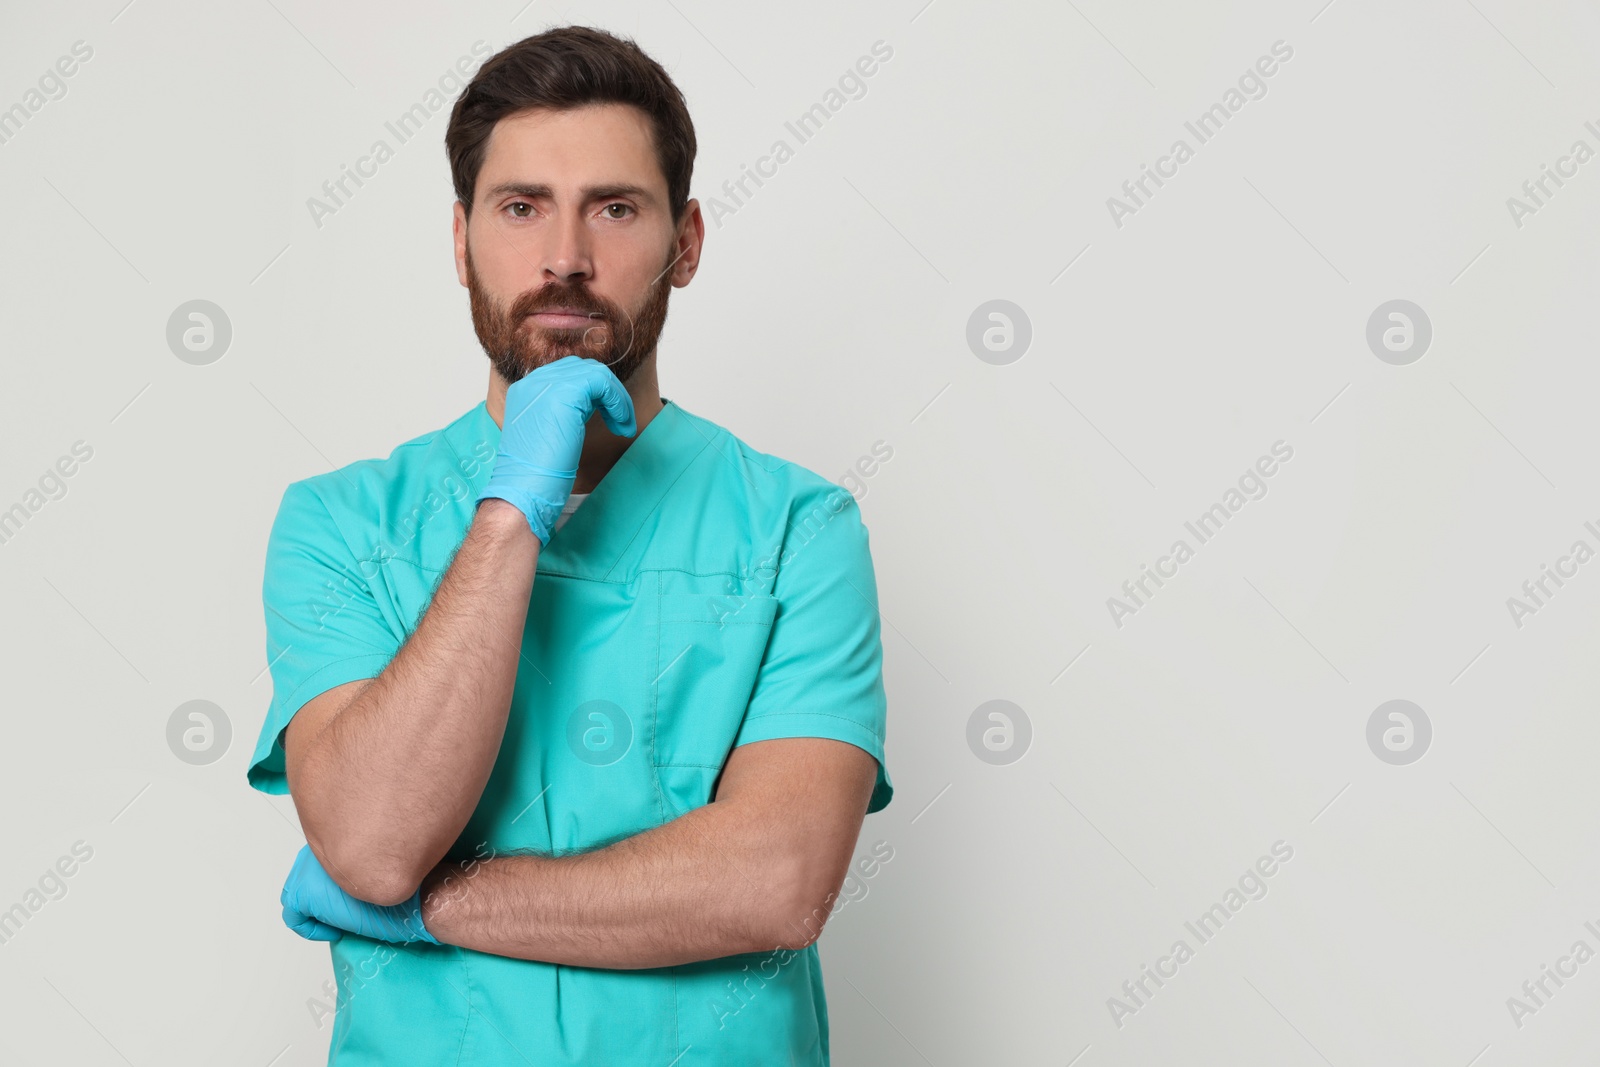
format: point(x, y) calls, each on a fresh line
point(309, 928)
point(304, 867)
point(607, 393)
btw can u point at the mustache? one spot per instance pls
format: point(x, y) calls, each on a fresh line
point(558, 295)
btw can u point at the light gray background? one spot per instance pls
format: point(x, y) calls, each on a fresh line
point(830, 313)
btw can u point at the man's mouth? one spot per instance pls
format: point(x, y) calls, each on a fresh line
point(565, 318)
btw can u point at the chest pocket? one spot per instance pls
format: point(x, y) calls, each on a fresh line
point(708, 654)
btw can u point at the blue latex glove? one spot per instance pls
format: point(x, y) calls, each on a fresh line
point(316, 908)
point(541, 441)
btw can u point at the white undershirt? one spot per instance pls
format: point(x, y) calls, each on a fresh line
point(573, 500)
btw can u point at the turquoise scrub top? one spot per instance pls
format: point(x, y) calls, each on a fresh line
point(705, 596)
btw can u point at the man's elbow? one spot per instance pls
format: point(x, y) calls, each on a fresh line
point(358, 859)
point(391, 891)
point(794, 919)
point(367, 876)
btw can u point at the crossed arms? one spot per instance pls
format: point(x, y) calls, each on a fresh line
point(386, 773)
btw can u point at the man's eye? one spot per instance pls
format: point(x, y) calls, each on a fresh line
point(521, 209)
point(617, 211)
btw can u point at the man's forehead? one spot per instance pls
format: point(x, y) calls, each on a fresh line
point(595, 143)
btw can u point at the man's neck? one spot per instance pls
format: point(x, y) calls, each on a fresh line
point(601, 447)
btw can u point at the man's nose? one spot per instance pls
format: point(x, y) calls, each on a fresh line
point(567, 255)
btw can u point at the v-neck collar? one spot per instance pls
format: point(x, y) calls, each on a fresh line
point(592, 541)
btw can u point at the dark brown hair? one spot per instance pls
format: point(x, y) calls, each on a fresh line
point(565, 68)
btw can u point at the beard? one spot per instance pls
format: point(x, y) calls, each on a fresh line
point(516, 345)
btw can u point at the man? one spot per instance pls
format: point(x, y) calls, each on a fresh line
point(580, 784)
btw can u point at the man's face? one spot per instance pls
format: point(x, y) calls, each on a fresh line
point(571, 247)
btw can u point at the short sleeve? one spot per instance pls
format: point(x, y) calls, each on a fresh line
point(324, 625)
point(822, 674)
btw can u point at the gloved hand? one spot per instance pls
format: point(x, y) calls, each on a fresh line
point(316, 908)
point(542, 437)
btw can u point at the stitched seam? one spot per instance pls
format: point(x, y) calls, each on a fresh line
point(814, 714)
point(466, 1019)
point(682, 471)
point(720, 622)
point(334, 524)
point(556, 572)
point(312, 678)
point(380, 558)
point(676, 1039)
point(655, 705)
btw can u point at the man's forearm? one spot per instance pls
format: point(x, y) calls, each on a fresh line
point(391, 781)
point(710, 883)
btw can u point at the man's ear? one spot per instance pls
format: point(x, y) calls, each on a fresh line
point(691, 239)
point(459, 228)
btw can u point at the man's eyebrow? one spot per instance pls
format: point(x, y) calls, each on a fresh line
point(536, 191)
